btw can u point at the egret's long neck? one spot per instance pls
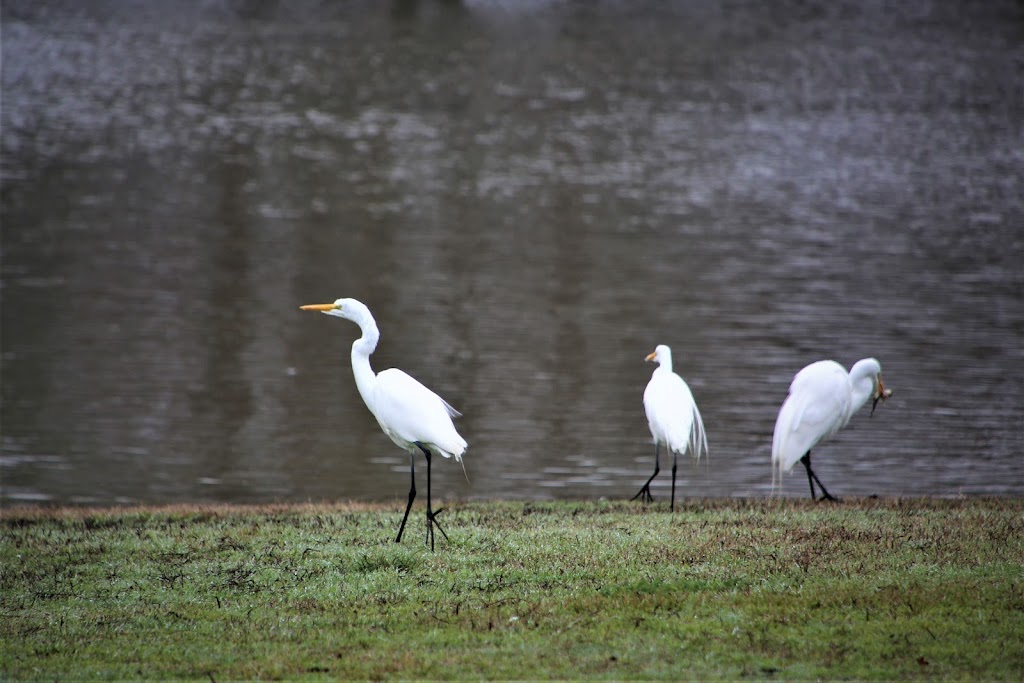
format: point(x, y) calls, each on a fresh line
point(862, 386)
point(366, 379)
point(665, 362)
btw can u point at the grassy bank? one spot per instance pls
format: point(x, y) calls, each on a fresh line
point(723, 588)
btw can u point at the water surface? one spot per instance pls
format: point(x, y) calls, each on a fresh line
point(530, 197)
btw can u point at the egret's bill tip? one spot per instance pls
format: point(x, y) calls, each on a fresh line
point(882, 395)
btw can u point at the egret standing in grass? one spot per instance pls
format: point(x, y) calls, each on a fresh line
point(413, 416)
point(673, 418)
point(822, 399)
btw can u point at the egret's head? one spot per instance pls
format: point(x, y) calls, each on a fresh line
point(350, 309)
point(661, 354)
point(871, 368)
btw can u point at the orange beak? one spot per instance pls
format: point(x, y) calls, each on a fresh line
point(318, 307)
point(652, 355)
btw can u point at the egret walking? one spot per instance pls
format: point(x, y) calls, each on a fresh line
point(673, 418)
point(822, 399)
point(413, 416)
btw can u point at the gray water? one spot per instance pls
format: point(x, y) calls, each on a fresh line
point(529, 196)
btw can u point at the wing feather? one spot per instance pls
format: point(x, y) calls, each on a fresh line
point(410, 413)
point(672, 414)
point(817, 406)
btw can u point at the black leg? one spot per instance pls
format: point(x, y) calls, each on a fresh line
point(431, 513)
point(806, 460)
point(672, 505)
point(825, 495)
point(645, 490)
point(412, 494)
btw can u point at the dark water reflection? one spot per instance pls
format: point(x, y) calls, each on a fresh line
point(530, 197)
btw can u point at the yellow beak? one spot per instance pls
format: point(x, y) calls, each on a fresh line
point(318, 307)
point(652, 355)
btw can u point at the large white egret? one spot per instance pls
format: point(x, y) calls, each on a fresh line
point(413, 416)
point(822, 399)
point(673, 418)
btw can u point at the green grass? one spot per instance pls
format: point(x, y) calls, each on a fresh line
point(722, 589)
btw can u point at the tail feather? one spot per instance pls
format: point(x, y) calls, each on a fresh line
point(698, 437)
point(456, 453)
point(450, 410)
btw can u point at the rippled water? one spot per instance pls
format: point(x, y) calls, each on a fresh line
point(530, 197)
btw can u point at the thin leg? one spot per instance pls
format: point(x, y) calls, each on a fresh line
point(672, 506)
point(412, 494)
point(806, 460)
point(825, 494)
point(431, 513)
point(645, 490)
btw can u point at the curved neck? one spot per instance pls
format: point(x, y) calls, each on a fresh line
point(366, 379)
point(860, 391)
point(862, 385)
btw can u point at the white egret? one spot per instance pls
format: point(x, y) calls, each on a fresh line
point(413, 416)
point(673, 418)
point(822, 399)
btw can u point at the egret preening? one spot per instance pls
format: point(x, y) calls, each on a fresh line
point(673, 418)
point(822, 399)
point(413, 416)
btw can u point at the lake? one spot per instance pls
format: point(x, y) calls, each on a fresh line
point(529, 197)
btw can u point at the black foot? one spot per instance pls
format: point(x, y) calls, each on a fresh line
point(829, 497)
point(431, 523)
point(644, 494)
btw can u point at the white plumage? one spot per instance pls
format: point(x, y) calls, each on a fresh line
point(413, 416)
point(672, 416)
point(822, 399)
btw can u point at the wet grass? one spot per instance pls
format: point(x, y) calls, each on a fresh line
point(880, 589)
